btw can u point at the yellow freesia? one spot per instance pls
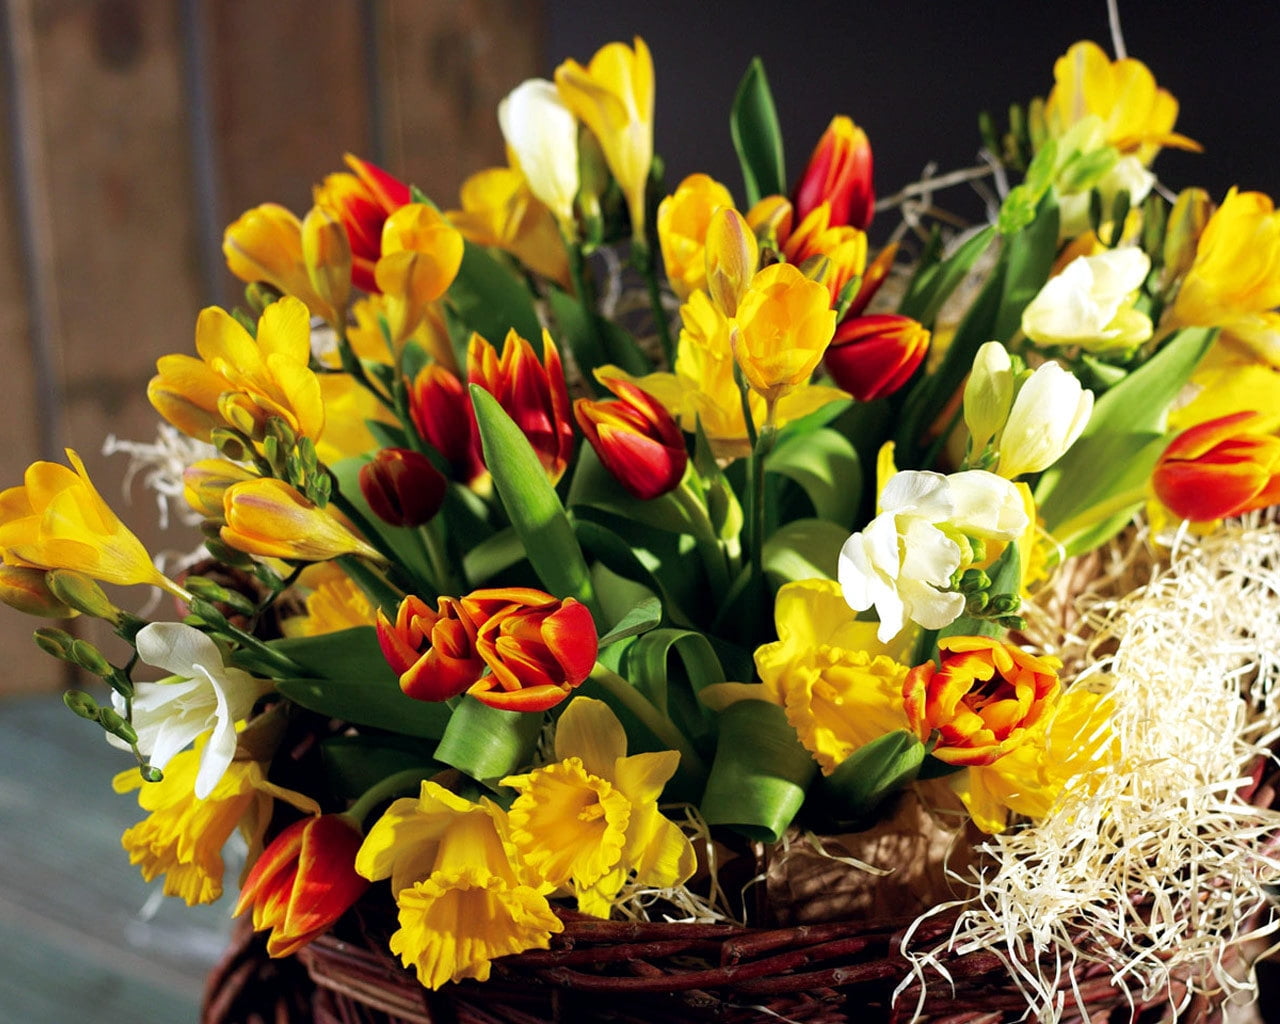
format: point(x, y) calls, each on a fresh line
point(463, 900)
point(499, 209)
point(369, 342)
point(683, 220)
point(335, 603)
point(732, 254)
point(421, 254)
point(182, 837)
point(205, 482)
point(1138, 115)
point(265, 244)
point(349, 406)
point(269, 518)
point(591, 820)
point(326, 255)
point(784, 323)
point(56, 519)
point(613, 97)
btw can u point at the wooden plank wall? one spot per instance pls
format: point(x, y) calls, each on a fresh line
point(135, 130)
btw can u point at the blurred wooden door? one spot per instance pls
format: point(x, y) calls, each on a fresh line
point(135, 130)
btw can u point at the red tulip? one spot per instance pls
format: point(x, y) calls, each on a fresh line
point(873, 356)
point(636, 439)
point(441, 412)
point(303, 882)
point(433, 653)
point(839, 173)
point(1219, 468)
point(403, 487)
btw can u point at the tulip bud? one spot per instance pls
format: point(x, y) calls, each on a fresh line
point(1186, 224)
point(731, 254)
point(441, 412)
point(839, 173)
point(988, 394)
point(269, 518)
point(326, 252)
point(403, 487)
point(83, 594)
point(683, 220)
point(1219, 468)
point(636, 439)
point(784, 324)
point(873, 356)
point(873, 277)
point(362, 201)
point(28, 591)
point(1050, 411)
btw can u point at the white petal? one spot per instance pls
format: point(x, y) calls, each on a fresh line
point(987, 506)
point(176, 647)
point(919, 492)
point(219, 751)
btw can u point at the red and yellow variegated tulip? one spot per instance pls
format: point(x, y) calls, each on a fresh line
point(537, 647)
point(842, 244)
point(421, 254)
point(873, 356)
point(839, 173)
point(362, 201)
point(269, 518)
point(1219, 468)
point(635, 438)
point(432, 652)
point(683, 219)
point(303, 882)
point(982, 701)
point(534, 395)
point(403, 487)
point(441, 412)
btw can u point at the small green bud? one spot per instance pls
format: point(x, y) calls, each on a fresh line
point(259, 295)
point(89, 658)
point(54, 641)
point(115, 724)
point(976, 604)
point(972, 580)
point(1005, 604)
point(208, 611)
point(210, 590)
point(82, 704)
point(150, 773)
point(83, 594)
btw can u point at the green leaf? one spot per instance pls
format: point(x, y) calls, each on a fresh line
point(757, 136)
point(487, 743)
point(825, 464)
point(492, 556)
point(593, 485)
point(642, 618)
point(620, 557)
point(354, 682)
point(531, 503)
point(648, 660)
point(356, 763)
point(1029, 259)
point(933, 283)
point(595, 341)
point(1089, 494)
point(804, 549)
point(868, 777)
point(760, 773)
point(488, 298)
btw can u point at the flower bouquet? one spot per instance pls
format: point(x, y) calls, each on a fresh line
point(647, 602)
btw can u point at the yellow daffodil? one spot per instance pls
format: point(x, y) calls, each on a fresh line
point(463, 899)
point(421, 254)
point(613, 97)
point(683, 220)
point(269, 518)
point(499, 209)
point(1138, 115)
point(335, 603)
point(265, 244)
point(56, 519)
point(182, 836)
point(783, 326)
point(591, 820)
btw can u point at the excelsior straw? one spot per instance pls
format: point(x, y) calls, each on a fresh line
point(1155, 870)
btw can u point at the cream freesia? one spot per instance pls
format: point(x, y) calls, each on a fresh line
point(1090, 303)
point(542, 133)
point(1051, 410)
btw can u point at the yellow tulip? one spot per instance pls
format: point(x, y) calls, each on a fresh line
point(421, 254)
point(265, 244)
point(499, 209)
point(613, 97)
point(784, 324)
point(683, 220)
point(269, 518)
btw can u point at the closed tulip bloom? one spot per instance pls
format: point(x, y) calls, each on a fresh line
point(731, 254)
point(303, 882)
point(982, 701)
point(421, 254)
point(403, 487)
point(533, 394)
point(363, 201)
point(635, 438)
point(1219, 468)
point(326, 253)
point(873, 356)
point(613, 97)
point(542, 133)
point(433, 653)
point(839, 173)
point(441, 411)
point(265, 244)
point(683, 220)
point(784, 324)
point(1050, 411)
point(269, 518)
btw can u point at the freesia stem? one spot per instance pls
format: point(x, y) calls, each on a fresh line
point(587, 300)
point(651, 718)
point(383, 790)
point(643, 258)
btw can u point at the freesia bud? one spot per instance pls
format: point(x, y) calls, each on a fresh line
point(265, 244)
point(80, 592)
point(421, 254)
point(542, 134)
point(839, 173)
point(326, 253)
point(635, 438)
point(269, 518)
point(205, 482)
point(303, 882)
point(1090, 303)
point(1050, 411)
point(683, 220)
point(1219, 468)
point(403, 487)
point(731, 253)
point(983, 699)
point(29, 592)
point(988, 394)
point(1187, 221)
point(441, 412)
point(873, 356)
point(57, 643)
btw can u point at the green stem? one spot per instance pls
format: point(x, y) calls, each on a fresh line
point(651, 718)
point(383, 790)
point(587, 300)
point(643, 259)
point(442, 573)
point(710, 548)
point(755, 495)
point(286, 665)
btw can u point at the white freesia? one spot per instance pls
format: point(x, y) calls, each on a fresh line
point(1090, 303)
point(988, 394)
point(543, 136)
point(1050, 412)
point(204, 694)
point(902, 563)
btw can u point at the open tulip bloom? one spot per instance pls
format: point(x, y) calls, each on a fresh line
point(509, 553)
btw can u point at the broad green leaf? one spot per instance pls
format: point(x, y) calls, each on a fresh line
point(804, 549)
point(648, 662)
point(825, 464)
point(621, 558)
point(356, 763)
point(387, 435)
point(868, 777)
point(753, 124)
point(487, 743)
point(933, 283)
point(642, 618)
point(760, 773)
point(594, 340)
point(531, 502)
point(1029, 259)
point(495, 555)
point(488, 298)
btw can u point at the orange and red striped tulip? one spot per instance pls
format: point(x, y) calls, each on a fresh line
point(1219, 468)
point(433, 652)
point(839, 173)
